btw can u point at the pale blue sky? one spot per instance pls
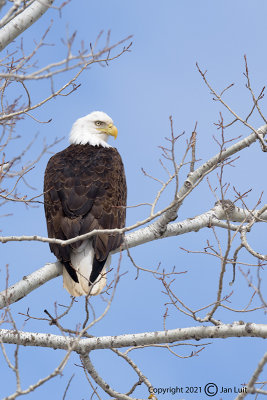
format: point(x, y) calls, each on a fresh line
point(140, 90)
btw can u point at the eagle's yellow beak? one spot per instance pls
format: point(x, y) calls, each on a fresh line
point(110, 130)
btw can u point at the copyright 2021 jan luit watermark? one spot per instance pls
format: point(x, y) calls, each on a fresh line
point(209, 389)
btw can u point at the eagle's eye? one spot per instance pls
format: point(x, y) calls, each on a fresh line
point(98, 123)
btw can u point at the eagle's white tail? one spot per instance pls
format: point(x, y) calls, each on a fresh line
point(82, 261)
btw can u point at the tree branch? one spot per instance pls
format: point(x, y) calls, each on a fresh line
point(218, 158)
point(97, 378)
point(213, 217)
point(23, 21)
point(83, 346)
point(250, 387)
point(29, 283)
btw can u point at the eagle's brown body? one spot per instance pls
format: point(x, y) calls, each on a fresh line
point(85, 189)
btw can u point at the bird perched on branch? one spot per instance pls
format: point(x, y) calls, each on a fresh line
point(85, 189)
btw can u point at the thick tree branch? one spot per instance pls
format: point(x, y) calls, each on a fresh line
point(23, 21)
point(195, 176)
point(213, 217)
point(29, 283)
point(83, 346)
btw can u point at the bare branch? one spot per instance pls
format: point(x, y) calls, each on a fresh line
point(23, 21)
point(83, 346)
point(251, 384)
point(97, 378)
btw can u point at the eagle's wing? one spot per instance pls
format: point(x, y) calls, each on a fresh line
point(85, 189)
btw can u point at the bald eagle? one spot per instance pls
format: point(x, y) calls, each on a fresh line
point(85, 189)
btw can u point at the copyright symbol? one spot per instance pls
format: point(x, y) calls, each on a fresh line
point(211, 389)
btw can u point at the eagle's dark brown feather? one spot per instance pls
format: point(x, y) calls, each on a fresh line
point(85, 189)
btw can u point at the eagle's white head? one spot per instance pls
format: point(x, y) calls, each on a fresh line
point(94, 129)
